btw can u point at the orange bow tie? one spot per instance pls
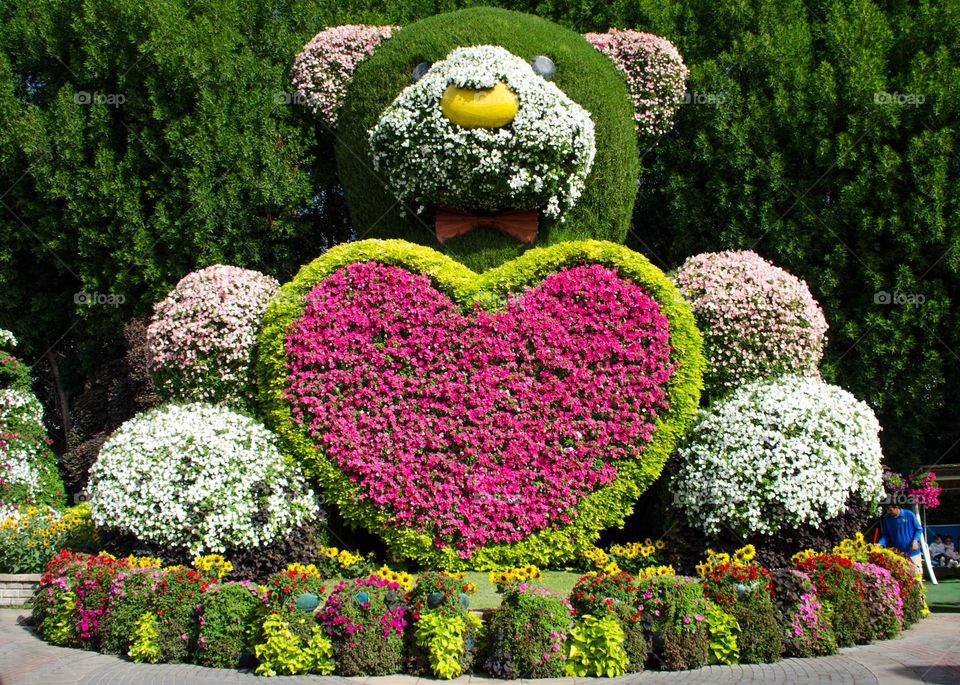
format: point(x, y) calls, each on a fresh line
point(520, 224)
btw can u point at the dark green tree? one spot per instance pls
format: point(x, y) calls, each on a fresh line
point(823, 134)
point(140, 140)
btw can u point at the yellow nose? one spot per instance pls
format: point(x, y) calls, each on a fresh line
point(487, 108)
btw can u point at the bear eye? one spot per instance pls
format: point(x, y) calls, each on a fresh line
point(421, 70)
point(544, 66)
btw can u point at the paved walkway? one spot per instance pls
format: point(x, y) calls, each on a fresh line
point(927, 653)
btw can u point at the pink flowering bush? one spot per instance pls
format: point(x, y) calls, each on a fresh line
point(202, 335)
point(324, 68)
point(477, 427)
point(655, 72)
point(365, 620)
point(809, 632)
point(757, 320)
point(882, 596)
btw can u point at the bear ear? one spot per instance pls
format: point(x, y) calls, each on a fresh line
point(655, 72)
point(324, 68)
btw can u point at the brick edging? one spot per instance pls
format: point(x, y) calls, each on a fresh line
point(17, 588)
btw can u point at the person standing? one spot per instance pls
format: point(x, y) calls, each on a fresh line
point(900, 529)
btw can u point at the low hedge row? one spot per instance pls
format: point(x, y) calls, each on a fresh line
point(387, 622)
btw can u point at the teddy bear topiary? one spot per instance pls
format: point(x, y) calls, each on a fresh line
point(487, 376)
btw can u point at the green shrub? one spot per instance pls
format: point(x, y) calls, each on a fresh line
point(133, 593)
point(439, 593)
point(838, 583)
point(602, 508)
point(365, 619)
point(674, 612)
point(584, 74)
point(595, 648)
point(682, 650)
point(761, 636)
point(526, 634)
point(225, 615)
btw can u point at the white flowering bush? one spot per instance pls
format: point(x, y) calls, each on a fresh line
point(757, 320)
point(324, 68)
point(198, 477)
point(655, 73)
point(778, 453)
point(28, 469)
point(202, 335)
point(538, 161)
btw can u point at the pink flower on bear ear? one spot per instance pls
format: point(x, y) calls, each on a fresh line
point(655, 72)
point(324, 68)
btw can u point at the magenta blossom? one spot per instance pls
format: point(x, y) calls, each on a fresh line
point(478, 427)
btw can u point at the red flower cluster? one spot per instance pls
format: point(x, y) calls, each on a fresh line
point(725, 583)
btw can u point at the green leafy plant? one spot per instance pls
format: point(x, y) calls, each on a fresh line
point(441, 593)
point(443, 638)
point(598, 593)
point(58, 626)
point(145, 645)
point(281, 652)
point(723, 629)
point(595, 648)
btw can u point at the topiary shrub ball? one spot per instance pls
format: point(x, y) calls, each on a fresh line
point(197, 478)
point(580, 80)
point(757, 320)
point(480, 420)
point(776, 454)
point(201, 336)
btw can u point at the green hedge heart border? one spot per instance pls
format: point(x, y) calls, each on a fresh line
point(603, 508)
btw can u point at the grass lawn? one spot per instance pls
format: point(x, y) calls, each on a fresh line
point(944, 597)
point(486, 597)
point(560, 582)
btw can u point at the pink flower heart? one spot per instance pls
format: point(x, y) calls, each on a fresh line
point(477, 426)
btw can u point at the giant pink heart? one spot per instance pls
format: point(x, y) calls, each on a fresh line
point(477, 426)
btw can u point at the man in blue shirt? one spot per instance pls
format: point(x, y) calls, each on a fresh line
point(900, 529)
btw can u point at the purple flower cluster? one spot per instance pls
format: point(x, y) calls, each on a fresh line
point(478, 427)
point(883, 599)
point(655, 72)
